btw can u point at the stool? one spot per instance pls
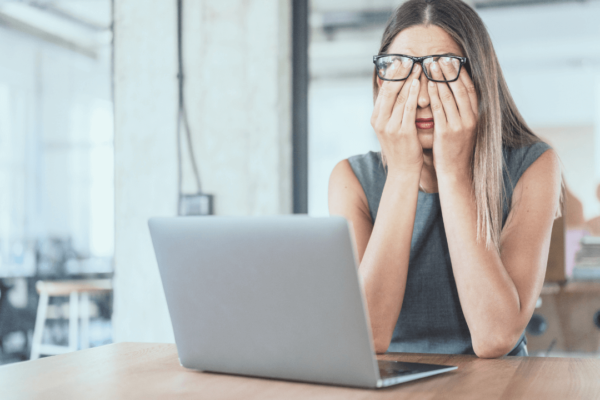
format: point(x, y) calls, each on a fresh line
point(72, 289)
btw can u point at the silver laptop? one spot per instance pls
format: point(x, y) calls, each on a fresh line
point(274, 297)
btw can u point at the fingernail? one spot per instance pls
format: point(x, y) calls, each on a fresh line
point(434, 66)
point(415, 82)
point(431, 84)
point(455, 62)
point(446, 60)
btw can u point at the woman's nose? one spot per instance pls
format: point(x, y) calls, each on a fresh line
point(423, 100)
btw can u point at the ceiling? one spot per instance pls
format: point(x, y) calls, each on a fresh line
point(344, 34)
point(79, 25)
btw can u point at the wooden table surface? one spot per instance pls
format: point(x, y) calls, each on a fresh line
point(148, 371)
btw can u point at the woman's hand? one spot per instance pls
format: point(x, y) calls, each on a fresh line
point(393, 119)
point(455, 116)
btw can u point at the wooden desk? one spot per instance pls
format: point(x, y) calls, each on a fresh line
point(148, 371)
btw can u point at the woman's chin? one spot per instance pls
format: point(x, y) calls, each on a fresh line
point(426, 138)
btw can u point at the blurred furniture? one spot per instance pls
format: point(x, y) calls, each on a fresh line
point(144, 370)
point(587, 260)
point(572, 247)
point(15, 319)
point(78, 292)
point(555, 271)
point(569, 318)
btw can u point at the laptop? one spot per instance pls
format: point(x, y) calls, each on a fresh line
point(272, 297)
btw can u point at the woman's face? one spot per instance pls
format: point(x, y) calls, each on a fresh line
point(421, 41)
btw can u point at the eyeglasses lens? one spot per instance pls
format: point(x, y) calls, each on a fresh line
point(394, 67)
point(447, 72)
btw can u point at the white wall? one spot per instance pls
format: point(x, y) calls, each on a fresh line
point(238, 71)
point(238, 92)
point(145, 165)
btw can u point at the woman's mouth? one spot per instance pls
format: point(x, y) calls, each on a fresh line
point(424, 123)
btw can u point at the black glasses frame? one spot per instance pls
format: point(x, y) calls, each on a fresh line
point(462, 61)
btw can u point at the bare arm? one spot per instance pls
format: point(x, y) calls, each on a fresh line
point(384, 248)
point(497, 292)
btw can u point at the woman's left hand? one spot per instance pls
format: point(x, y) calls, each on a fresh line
point(454, 107)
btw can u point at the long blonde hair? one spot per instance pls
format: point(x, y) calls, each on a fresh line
point(499, 122)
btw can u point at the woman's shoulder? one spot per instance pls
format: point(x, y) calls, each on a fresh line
point(518, 168)
point(363, 175)
point(372, 157)
point(518, 158)
point(367, 167)
point(534, 173)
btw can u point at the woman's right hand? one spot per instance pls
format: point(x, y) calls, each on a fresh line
point(393, 119)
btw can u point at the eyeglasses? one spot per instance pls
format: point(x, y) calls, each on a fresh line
point(397, 67)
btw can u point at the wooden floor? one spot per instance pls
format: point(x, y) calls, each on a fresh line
point(152, 371)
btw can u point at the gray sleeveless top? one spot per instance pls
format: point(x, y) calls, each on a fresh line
point(431, 319)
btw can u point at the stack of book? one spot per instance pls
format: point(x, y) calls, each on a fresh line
point(587, 260)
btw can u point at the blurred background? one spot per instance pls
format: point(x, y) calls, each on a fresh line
point(56, 163)
point(275, 94)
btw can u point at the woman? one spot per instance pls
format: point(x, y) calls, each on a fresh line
point(452, 220)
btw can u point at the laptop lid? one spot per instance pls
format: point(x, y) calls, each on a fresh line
point(275, 297)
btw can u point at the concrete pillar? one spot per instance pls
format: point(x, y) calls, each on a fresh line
point(145, 92)
point(238, 90)
point(237, 58)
